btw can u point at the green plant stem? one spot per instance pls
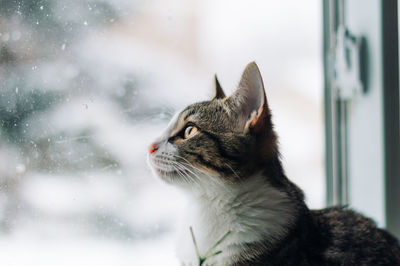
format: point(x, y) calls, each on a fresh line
point(217, 244)
point(195, 244)
point(202, 259)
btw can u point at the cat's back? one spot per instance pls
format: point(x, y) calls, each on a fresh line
point(348, 238)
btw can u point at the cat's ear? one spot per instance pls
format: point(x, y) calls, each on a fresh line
point(250, 102)
point(219, 93)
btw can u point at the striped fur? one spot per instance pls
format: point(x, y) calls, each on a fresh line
point(230, 168)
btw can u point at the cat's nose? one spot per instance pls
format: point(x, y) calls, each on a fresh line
point(153, 147)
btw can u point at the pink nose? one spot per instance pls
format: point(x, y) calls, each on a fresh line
point(153, 148)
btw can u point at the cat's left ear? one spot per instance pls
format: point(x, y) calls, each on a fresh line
point(219, 93)
point(250, 102)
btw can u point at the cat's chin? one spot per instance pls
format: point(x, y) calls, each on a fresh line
point(170, 177)
point(174, 173)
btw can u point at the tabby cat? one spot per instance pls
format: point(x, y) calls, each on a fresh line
point(224, 154)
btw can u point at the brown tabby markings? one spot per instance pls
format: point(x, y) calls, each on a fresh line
point(232, 170)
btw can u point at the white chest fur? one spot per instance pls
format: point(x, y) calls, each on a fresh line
point(253, 211)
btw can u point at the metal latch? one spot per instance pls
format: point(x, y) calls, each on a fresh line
point(350, 64)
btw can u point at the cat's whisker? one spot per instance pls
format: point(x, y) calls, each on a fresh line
point(191, 165)
point(233, 171)
point(184, 174)
point(188, 164)
point(181, 170)
point(180, 174)
point(180, 157)
point(216, 181)
point(200, 171)
point(188, 171)
point(195, 169)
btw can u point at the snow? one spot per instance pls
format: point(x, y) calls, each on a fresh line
point(76, 190)
point(19, 251)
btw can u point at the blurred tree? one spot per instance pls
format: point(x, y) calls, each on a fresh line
point(33, 34)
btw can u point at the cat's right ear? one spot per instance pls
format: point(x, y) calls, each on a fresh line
point(250, 102)
point(219, 93)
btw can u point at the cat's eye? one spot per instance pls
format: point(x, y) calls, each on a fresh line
point(190, 130)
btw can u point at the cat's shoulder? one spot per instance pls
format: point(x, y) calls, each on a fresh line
point(339, 217)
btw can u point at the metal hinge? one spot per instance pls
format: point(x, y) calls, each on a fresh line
point(349, 65)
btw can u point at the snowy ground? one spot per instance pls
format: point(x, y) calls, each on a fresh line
point(67, 252)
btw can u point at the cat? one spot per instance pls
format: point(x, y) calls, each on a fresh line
point(224, 154)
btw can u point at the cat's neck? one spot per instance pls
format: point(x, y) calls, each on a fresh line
point(253, 211)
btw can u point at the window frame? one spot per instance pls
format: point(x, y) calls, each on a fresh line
point(337, 176)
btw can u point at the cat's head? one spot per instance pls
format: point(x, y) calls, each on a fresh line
point(227, 138)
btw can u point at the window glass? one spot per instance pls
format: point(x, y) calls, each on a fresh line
point(86, 85)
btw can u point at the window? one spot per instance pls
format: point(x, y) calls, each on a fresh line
point(363, 129)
